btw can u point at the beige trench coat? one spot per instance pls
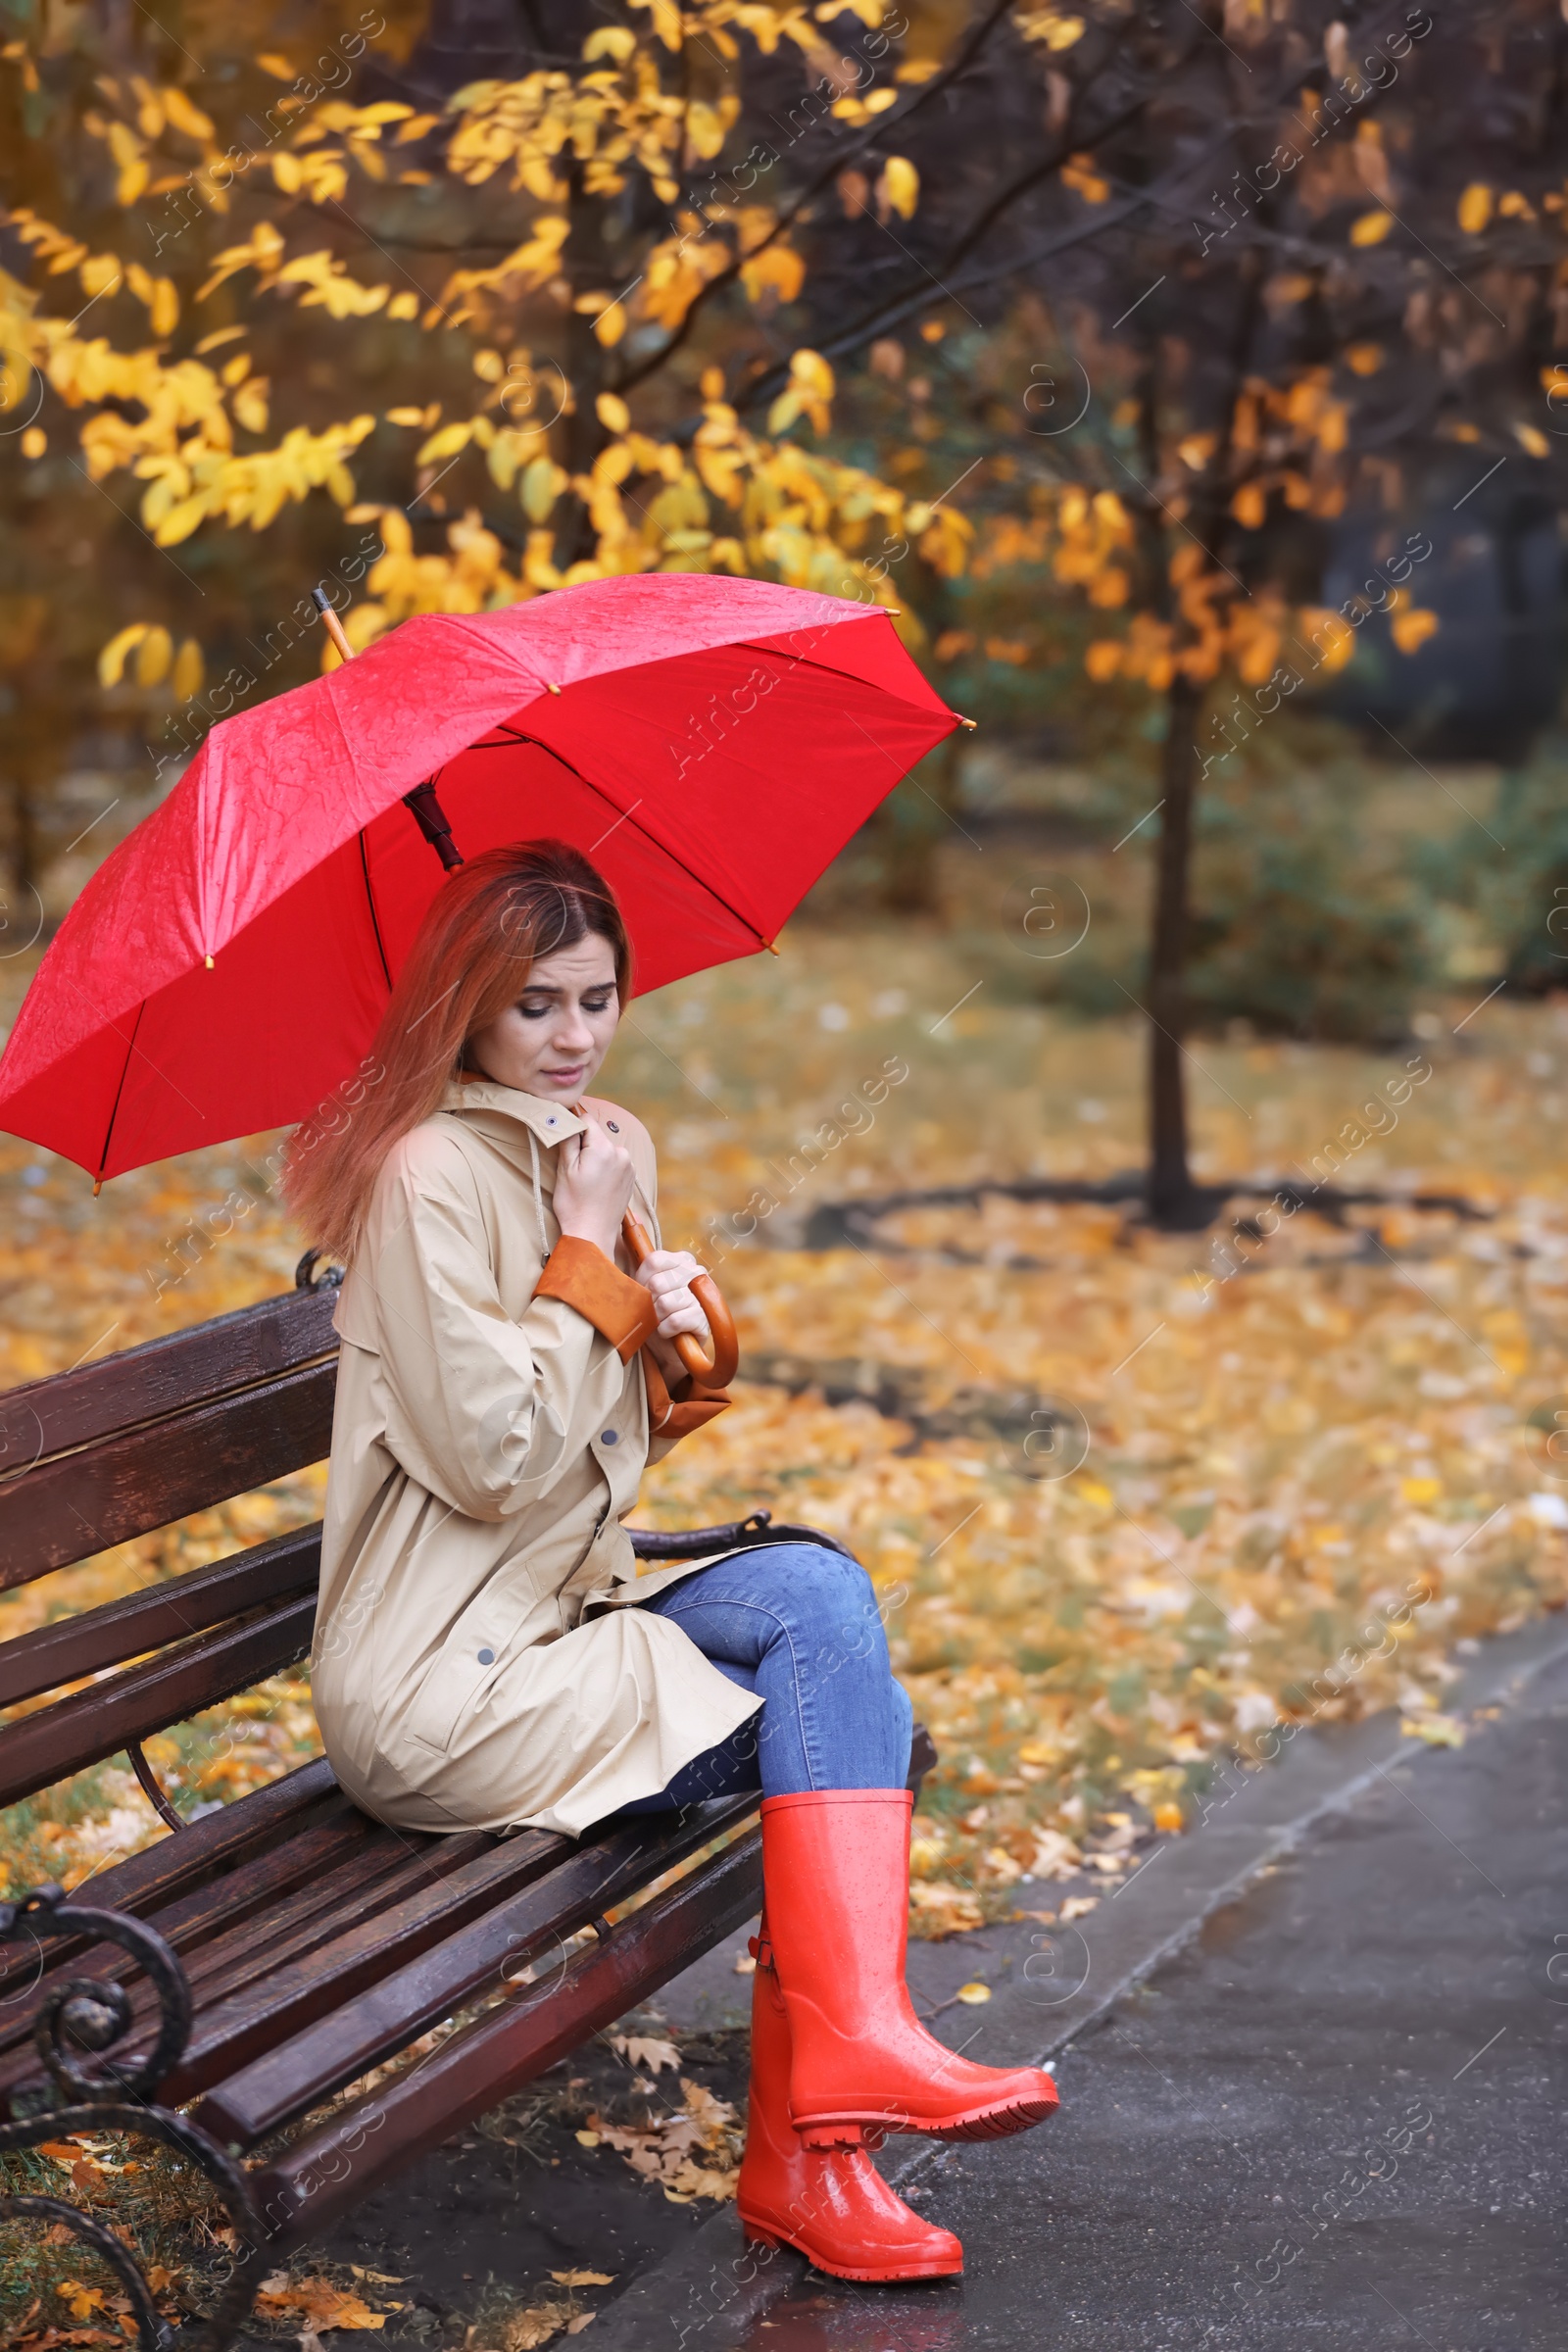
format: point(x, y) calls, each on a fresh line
point(476, 1662)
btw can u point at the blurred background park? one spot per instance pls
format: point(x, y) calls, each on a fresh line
point(1137, 1178)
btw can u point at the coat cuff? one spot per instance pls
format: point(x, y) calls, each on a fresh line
point(583, 1277)
point(673, 1416)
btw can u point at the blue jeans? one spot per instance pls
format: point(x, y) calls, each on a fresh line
point(800, 1625)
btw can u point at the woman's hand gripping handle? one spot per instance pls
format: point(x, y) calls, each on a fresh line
point(685, 1300)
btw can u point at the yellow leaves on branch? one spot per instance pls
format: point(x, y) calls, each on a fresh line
point(777, 269)
point(679, 267)
point(177, 402)
point(543, 481)
point(1248, 634)
point(667, 19)
point(1309, 409)
point(157, 293)
point(1052, 26)
point(1078, 173)
point(155, 660)
point(1093, 529)
point(262, 252)
point(252, 488)
point(732, 501)
point(317, 174)
point(526, 269)
point(809, 520)
point(618, 115)
point(899, 187)
point(806, 394)
point(130, 154)
point(857, 112)
point(616, 41)
point(302, 166)
point(19, 341)
point(1411, 625)
point(154, 650)
point(1474, 209)
point(329, 285)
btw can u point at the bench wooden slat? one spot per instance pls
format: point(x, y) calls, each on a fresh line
point(278, 2088)
point(73, 1648)
point(323, 2175)
point(225, 1906)
point(173, 1374)
point(95, 1723)
point(280, 2001)
point(391, 1869)
point(216, 1844)
point(232, 1971)
point(79, 1503)
point(204, 1849)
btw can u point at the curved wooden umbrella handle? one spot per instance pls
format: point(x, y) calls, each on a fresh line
point(714, 1367)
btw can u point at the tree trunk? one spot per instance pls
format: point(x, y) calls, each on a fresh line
point(24, 843)
point(1172, 1199)
point(917, 819)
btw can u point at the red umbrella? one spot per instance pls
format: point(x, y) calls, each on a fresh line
point(711, 744)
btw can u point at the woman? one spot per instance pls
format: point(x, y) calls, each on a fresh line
point(487, 1654)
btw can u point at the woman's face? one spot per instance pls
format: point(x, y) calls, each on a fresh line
point(552, 1039)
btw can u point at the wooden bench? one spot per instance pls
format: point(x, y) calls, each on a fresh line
point(243, 1971)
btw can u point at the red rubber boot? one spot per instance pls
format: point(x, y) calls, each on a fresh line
point(836, 1867)
point(832, 2205)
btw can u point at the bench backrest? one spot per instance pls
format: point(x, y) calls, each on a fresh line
point(92, 1457)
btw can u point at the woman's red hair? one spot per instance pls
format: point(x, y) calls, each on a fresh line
point(490, 921)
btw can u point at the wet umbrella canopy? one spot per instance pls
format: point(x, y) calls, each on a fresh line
point(711, 744)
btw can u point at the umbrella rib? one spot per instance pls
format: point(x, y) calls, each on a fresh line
point(131, 1047)
point(798, 661)
point(369, 900)
point(626, 817)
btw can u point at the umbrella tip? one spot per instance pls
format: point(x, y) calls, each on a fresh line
point(969, 722)
point(551, 689)
point(97, 1186)
point(208, 963)
point(768, 944)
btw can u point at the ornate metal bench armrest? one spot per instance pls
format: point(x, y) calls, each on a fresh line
point(84, 2014)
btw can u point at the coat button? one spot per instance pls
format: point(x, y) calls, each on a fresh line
point(609, 1437)
point(487, 1657)
point(611, 1124)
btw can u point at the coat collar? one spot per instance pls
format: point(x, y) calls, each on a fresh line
point(551, 1122)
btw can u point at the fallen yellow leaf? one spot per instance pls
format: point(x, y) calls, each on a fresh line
point(322, 2304)
point(82, 2300)
point(646, 2049)
point(1438, 1730)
